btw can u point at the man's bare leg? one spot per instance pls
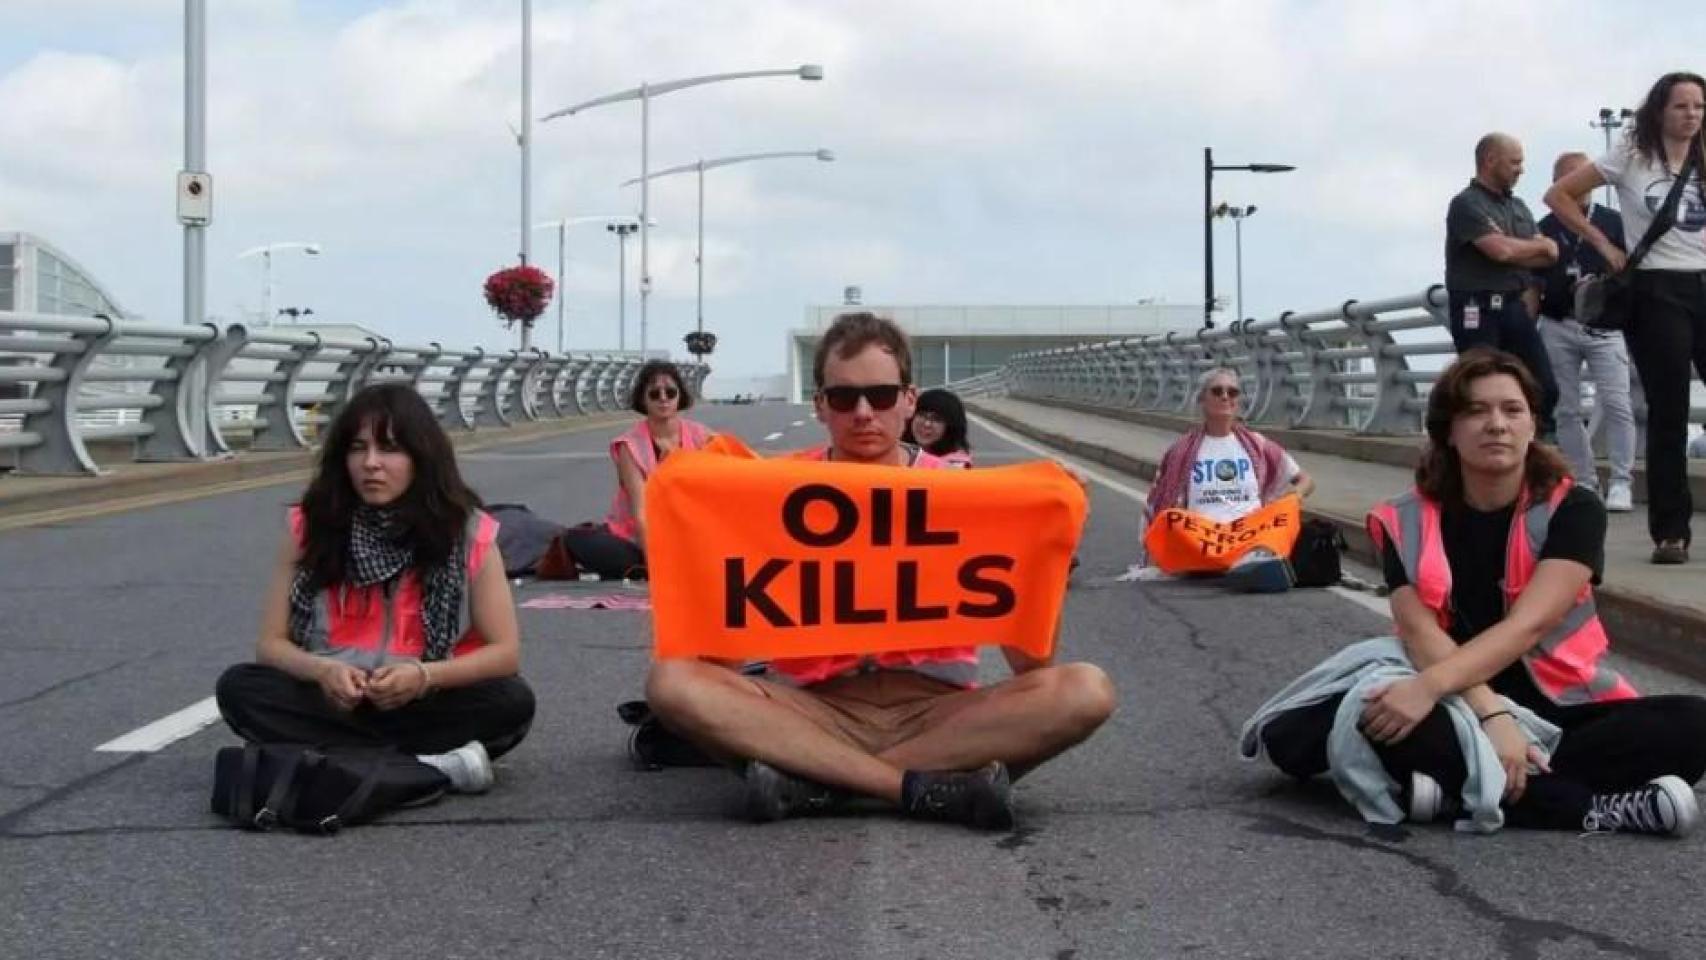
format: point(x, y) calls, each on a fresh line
point(729, 714)
point(1022, 722)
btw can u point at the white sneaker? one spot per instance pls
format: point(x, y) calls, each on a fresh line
point(468, 767)
point(1428, 801)
point(1619, 498)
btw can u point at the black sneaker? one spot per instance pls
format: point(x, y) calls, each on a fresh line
point(1665, 806)
point(981, 798)
point(1670, 552)
point(773, 795)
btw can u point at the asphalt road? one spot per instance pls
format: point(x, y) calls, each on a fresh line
point(1151, 840)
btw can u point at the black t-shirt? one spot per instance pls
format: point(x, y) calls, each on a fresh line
point(1475, 543)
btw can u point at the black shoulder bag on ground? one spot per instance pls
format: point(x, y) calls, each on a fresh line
point(1316, 557)
point(311, 790)
point(1607, 303)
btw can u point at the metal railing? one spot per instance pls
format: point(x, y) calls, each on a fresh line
point(184, 393)
point(1350, 367)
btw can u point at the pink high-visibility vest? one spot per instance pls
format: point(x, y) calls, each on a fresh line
point(638, 440)
point(1567, 664)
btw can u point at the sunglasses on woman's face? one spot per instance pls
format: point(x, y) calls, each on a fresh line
point(1221, 390)
point(662, 393)
point(881, 396)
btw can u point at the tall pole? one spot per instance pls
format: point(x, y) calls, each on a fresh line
point(562, 266)
point(622, 289)
point(645, 207)
point(1207, 237)
point(527, 149)
point(1238, 258)
point(195, 235)
point(699, 258)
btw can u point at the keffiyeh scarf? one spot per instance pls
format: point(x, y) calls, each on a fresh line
point(379, 553)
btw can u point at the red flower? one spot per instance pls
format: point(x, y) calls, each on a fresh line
point(519, 293)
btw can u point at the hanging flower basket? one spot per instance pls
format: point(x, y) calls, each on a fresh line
point(519, 294)
point(701, 342)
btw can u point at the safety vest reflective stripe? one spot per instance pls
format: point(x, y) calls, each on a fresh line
point(1566, 665)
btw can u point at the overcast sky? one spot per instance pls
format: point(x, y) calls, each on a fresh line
point(988, 151)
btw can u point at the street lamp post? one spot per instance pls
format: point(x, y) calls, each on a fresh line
point(562, 226)
point(1608, 121)
point(265, 252)
point(644, 93)
point(622, 230)
point(699, 167)
point(1208, 169)
point(1238, 214)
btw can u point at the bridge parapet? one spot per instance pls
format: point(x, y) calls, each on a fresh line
point(185, 393)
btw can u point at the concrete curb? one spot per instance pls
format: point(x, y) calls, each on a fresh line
point(23, 496)
point(1389, 451)
point(1651, 629)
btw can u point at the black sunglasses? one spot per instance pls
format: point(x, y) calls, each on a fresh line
point(662, 393)
point(1220, 390)
point(881, 396)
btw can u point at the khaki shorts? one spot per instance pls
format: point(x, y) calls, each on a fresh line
point(878, 710)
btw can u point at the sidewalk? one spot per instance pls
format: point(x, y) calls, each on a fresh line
point(26, 500)
point(1655, 613)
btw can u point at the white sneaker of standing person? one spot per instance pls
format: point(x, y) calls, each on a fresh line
point(468, 767)
point(1619, 498)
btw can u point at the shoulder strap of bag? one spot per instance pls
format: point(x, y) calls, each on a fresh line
point(1666, 217)
point(357, 800)
point(245, 806)
point(286, 787)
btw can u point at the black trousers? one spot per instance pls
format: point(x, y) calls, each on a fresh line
point(1667, 333)
point(1606, 747)
point(596, 549)
point(1511, 328)
point(262, 704)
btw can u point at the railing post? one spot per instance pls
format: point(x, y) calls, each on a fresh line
point(521, 386)
point(451, 415)
point(279, 429)
point(61, 450)
point(173, 438)
point(1392, 393)
point(491, 411)
point(1321, 412)
point(220, 353)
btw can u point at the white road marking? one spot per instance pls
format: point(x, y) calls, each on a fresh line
point(165, 731)
point(1367, 601)
point(772, 436)
point(797, 423)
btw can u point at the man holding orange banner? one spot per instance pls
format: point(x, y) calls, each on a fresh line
point(1225, 498)
point(848, 572)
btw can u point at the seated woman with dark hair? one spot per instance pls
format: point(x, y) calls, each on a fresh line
point(939, 427)
point(388, 619)
point(1496, 696)
point(616, 548)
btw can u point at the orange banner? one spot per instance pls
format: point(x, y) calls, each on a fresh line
point(1180, 541)
point(756, 558)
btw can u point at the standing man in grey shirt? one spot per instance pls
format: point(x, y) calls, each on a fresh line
point(1491, 245)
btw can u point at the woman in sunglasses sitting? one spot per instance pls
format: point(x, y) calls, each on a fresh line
point(939, 427)
point(1223, 471)
point(616, 549)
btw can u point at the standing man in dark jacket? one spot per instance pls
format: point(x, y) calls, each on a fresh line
point(1491, 245)
point(1569, 344)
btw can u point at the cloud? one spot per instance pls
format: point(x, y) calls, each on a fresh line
point(988, 151)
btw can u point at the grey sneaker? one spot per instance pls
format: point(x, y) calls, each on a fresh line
point(1428, 801)
point(981, 798)
point(1670, 552)
point(1666, 807)
point(774, 795)
point(468, 767)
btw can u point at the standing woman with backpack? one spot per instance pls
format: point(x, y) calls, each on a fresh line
point(1667, 326)
point(388, 620)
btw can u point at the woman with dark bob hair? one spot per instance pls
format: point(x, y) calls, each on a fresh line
point(616, 548)
point(938, 425)
point(388, 619)
point(1667, 326)
point(1496, 699)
